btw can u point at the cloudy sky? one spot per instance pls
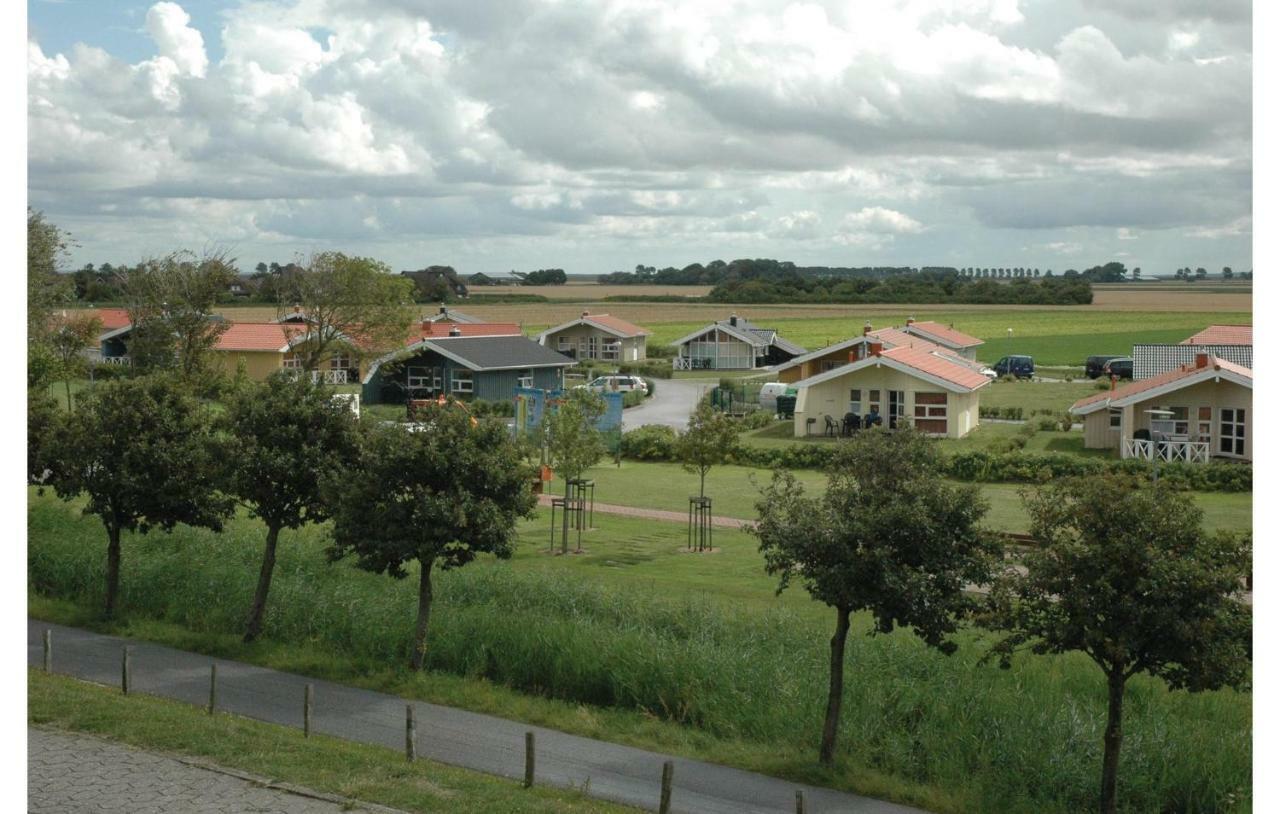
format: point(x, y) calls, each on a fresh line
point(596, 135)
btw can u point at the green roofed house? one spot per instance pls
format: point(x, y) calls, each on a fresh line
point(733, 344)
point(465, 367)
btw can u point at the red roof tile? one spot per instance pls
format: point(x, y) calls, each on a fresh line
point(112, 318)
point(437, 330)
point(937, 365)
point(1168, 377)
point(943, 334)
point(617, 324)
point(1222, 335)
point(258, 336)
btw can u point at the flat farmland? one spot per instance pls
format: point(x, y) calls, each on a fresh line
point(592, 292)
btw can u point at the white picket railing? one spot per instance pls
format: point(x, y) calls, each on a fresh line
point(317, 376)
point(122, 361)
point(681, 363)
point(1192, 452)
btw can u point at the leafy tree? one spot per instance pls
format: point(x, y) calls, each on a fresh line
point(1139, 588)
point(170, 301)
point(47, 247)
point(351, 303)
point(42, 416)
point(143, 453)
point(441, 496)
point(573, 443)
point(888, 536)
point(1136, 272)
point(546, 277)
point(69, 342)
point(1201, 273)
point(708, 441)
point(287, 436)
point(1227, 273)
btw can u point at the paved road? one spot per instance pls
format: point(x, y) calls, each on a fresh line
point(655, 514)
point(672, 402)
point(69, 773)
point(608, 771)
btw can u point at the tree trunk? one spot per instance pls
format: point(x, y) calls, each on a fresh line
point(113, 568)
point(67, 382)
point(1111, 740)
point(424, 615)
point(253, 628)
point(835, 693)
point(702, 483)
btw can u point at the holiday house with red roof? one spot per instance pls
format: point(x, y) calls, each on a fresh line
point(601, 337)
point(1194, 413)
point(914, 384)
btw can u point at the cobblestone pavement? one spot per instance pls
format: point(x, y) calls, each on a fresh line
point(69, 773)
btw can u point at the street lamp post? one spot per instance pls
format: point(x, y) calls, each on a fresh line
point(1155, 461)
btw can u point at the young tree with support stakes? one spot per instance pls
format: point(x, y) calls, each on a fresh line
point(69, 341)
point(143, 453)
point(709, 440)
point(573, 443)
point(352, 304)
point(439, 497)
point(888, 536)
point(1139, 588)
point(287, 435)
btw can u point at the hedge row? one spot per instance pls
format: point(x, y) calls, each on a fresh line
point(654, 443)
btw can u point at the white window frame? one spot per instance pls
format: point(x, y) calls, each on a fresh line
point(932, 412)
point(427, 378)
point(1227, 430)
point(1115, 418)
point(855, 401)
point(459, 377)
point(524, 379)
point(292, 361)
point(340, 361)
point(611, 349)
point(564, 343)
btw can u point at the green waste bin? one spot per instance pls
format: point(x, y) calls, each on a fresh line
point(786, 406)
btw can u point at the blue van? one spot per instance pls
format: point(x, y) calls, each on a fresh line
point(1020, 366)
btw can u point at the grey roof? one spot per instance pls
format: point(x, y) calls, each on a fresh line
point(1153, 359)
point(456, 316)
point(496, 352)
point(751, 334)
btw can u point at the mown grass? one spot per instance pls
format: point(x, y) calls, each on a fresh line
point(673, 651)
point(734, 489)
point(1033, 395)
point(320, 763)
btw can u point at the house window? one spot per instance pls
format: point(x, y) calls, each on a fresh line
point(855, 401)
point(564, 344)
point(423, 378)
point(593, 347)
point(1231, 431)
point(340, 361)
point(873, 401)
point(524, 378)
point(1204, 423)
point(611, 350)
point(462, 382)
point(931, 413)
point(1114, 418)
point(1175, 424)
point(292, 361)
point(830, 364)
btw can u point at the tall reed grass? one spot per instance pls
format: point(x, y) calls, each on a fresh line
point(1026, 739)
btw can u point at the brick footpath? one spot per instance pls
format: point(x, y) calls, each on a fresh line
point(69, 773)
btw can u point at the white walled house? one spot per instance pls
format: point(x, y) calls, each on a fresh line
point(597, 336)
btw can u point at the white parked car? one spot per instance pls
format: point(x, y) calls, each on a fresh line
point(990, 374)
point(616, 384)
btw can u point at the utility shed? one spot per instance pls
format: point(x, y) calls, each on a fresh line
point(489, 368)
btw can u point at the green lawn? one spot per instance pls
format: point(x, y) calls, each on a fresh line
point(1032, 395)
point(734, 490)
point(321, 763)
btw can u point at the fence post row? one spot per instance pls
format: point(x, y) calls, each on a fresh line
point(124, 670)
point(213, 687)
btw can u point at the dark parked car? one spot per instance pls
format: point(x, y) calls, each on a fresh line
point(1121, 368)
point(1094, 365)
point(1021, 366)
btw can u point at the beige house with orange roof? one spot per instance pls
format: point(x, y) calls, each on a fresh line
point(1192, 413)
point(947, 336)
point(927, 388)
point(852, 350)
point(600, 337)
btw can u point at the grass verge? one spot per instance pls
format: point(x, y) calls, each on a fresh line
point(321, 763)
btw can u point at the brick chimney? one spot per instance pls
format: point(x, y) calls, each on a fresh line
point(1202, 360)
point(911, 320)
point(733, 320)
point(444, 309)
point(455, 331)
point(875, 349)
point(866, 329)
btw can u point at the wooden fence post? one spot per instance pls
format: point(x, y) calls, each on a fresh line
point(799, 801)
point(664, 802)
point(213, 687)
point(124, 670)
point(528, 760)
point(308, 696)
point(410, 734)
point(48, 650)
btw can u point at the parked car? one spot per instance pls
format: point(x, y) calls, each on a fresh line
point(1022, 367)
point(1121, 368)
point(1094, 365)
point(769, 394)
point(616, 384)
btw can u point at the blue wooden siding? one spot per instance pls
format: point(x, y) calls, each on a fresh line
point(490, 385)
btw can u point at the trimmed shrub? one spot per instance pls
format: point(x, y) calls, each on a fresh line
point(651, 442)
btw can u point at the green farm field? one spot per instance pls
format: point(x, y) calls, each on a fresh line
point(639, 642)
